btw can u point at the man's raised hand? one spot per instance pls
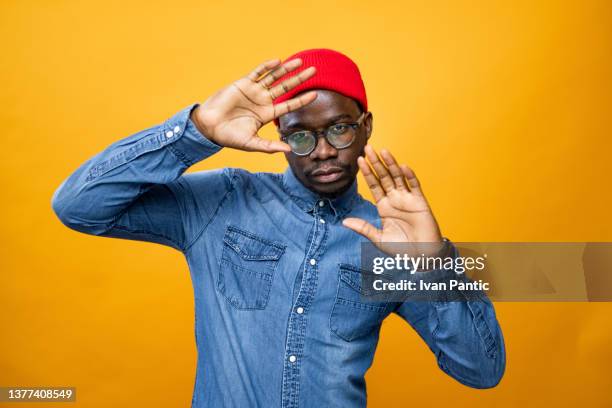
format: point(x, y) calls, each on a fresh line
point(233, 116)
point(405, 214)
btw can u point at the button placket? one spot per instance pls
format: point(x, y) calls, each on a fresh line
point(297, 321)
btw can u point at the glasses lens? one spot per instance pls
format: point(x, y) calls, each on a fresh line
point(301, 142)
point(340, 135)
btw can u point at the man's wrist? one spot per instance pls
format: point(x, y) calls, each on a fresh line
point(443, 250)
point(198, 123)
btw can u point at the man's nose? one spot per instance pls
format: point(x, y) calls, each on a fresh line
point(323, 150)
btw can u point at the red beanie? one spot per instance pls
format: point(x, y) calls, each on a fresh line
point(335, 72)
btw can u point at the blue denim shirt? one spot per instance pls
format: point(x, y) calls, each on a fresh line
point(280, 320)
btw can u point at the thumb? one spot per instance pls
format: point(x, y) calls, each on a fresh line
point(363, 227)
point(259, 144)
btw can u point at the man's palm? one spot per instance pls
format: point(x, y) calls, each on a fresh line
point(233, 116)
point(406, 217)
point(403, 209)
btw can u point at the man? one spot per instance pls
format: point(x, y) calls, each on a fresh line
point(281, 318)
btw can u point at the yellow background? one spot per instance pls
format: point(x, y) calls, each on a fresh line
point(503, 109)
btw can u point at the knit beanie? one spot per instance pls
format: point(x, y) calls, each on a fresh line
point(335, 72)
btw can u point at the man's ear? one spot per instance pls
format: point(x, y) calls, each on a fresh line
point(368, 123)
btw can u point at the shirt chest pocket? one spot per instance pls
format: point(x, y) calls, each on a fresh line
point(353, 315)
point(247, 267)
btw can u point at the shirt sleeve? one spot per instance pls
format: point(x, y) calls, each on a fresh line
point(463, 334)
point(135, 189)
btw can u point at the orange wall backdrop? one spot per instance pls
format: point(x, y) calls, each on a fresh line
point(503, 109)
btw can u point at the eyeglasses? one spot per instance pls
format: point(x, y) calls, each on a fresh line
point(339, 135)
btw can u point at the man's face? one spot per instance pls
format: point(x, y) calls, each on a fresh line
point(326, 170)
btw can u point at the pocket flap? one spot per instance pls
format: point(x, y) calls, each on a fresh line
point(352, 276)
point(252, 247)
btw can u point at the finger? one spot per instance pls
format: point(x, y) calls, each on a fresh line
point(262, 69)
point(413, 182)
point(290, 83)
point(394, 170)
point(258, 144)
point(381, 171)
point(377, 191)
point(294, 103)
point(364, 228)
point(287, 67)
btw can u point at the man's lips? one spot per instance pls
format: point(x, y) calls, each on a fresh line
point(327, 175)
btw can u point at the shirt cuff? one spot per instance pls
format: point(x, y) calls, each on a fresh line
point(445, 275)
point(185, 140)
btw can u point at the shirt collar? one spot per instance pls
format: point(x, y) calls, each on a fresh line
point(308, 200)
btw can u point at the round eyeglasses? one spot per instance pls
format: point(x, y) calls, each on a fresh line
point(339, 135)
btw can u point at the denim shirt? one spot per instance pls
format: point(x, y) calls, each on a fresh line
point(279, 316)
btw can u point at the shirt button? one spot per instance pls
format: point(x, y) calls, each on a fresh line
point(299, 310)
point(312, 261)
point(321, 203)
point(169, 134)
point(322, 221)
point(292, 359)
point(177, 129)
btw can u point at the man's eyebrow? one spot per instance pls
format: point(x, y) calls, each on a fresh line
point(330, 121)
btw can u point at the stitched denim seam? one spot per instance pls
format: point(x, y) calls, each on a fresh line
point(142, 231)
point(483, 330)
point(310, 289)
point(359, 305)
point(180, 155)
point(113, 224)
point(137, 150)
point(267, 276)
point(222, 202)
point(277, 245)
